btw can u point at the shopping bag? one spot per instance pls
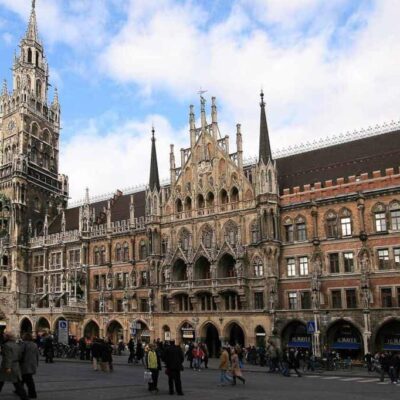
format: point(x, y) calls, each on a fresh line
point(148, 378)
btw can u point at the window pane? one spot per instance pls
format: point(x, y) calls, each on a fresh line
point(331, 228)
point(301, 232)
point(386, 296)
point(336, 299)
point(289, 233)
point(258, 300)
point(351, 299)
point(396, 257)
point(380, 222)
point(383, 259)
point(395, 220)
point(348, 262)
point(303, 266)
point(346, 226)
point(306, 300)
point(293, 301)
point(291, 267)
point(334, 263)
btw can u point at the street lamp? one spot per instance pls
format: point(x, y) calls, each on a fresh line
point(316, 334)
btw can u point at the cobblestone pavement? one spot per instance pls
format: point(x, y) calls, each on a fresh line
point(76, 380)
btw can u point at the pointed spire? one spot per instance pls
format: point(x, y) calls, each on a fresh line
point(56, 102)
point(4, 90)
point(154, 181)
point(203, 112)
point(87, 198)
point(32, 31)
point(265, 148)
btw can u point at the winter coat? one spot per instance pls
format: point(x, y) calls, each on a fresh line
point(30, 358)
point(96, 349)
point(224, 360)
point(236, 371)
point(11, 356)
point(174, 358)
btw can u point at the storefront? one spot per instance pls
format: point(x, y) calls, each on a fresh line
point(344, 338)
point(295, 335)
point(388, 336)
point(140, 331)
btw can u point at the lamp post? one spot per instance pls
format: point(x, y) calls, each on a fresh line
point(316, 335)
point(367, 331)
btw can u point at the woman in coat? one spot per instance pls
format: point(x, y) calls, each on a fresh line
point(236, 371)
point(153, 363)
point(29, 363)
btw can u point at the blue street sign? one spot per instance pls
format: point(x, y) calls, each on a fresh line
point(310, 327)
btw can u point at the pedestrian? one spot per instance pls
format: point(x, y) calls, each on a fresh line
point(368, 360)
point(10, 365)
point(224, 366)
point(197, 357)
point(153, 363)
point(29, 363)
point(121, 346)
point(206, 356)
point(236, 371)
point(131, 348)
point(139, 352)
point(174, 365)
point(48, 347)
point(96, 353)
point(109, 353)
point(82, 348)
point(189, 354)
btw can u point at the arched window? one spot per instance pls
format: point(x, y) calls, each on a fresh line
point(234, 195)
point(103, 255)
point(29, 55)
point(301, 229)
point(395, 215)
point(345, 222)
point(37, 58)
point(255, 231)
point(178, 206)
point(223, 196)
point(35, 130)
point(142, 250)
point(200, 201)
point(258, 267)
point(4, 282)
point(38, 88)
point(96, 256)
point(118, 252)
point(379, 211)
point(231, 231)
point(125, 255)
point(210, 199)
point(289, 230)
point(331, 224)
point(206, 236)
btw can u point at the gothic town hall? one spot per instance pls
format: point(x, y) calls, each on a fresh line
point(304, 247)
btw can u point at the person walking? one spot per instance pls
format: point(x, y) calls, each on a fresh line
point(197, 357)
point(29, 363)
point(131, 348)
point(10, 365)
point(153, 363)
point(96, 353)
point(48, 347)
point(174, 362)
point(82, 348)
point(223, 367)
point(139, 352)
point(236, 371)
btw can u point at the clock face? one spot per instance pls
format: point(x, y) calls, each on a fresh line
point(11, 126)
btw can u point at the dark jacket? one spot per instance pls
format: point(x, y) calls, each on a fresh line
point(174, 358)
point(11, 356)
point(96, 349)
point(30, 358)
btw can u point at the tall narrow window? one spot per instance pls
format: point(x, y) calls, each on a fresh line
point(292, 301)
point(396, 253)
point(289, 233)
point(291, 267)
point(351, 298)
point(305, 300)
point(303, 266)
point(386, 297)
point(395, 220)
point(383, 259)
point(258, 268)
point(334, 263)
point(331, 227)
point(348, 258)
point(336, 298)
point(380, 222)
point(301, 232)
point(258, 300)
point(345, 224)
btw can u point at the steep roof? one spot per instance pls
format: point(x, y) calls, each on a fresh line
point(340, 161)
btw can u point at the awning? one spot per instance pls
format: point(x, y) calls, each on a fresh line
point(300, 344)
point(346, 346)
point(395, 347)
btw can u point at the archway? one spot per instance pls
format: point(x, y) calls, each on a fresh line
point(115, 331)
point(25, 326)
point(226, 266)
point(202, 269)
point(235, 335)
point(42, 326)
point(140, 331)
point(295, 335)
point(187, 333)
point(260, 336)
point(343, 337)
point(211, 339)
point(388, 336)
point(179, 271)
point(91, 330)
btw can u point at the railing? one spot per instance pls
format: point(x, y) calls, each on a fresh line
point(202, 282)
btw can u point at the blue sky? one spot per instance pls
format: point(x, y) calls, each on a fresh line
point(122, 65)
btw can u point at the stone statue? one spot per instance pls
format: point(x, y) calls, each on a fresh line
point(239, 269)
point(364, 262)
point(109, 281)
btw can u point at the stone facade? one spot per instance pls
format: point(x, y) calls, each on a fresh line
point(225, 252)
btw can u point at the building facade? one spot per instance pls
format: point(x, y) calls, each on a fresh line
point(304, 247)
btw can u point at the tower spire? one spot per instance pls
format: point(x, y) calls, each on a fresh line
point(154, 181)
point(265, 148)
point(32, 31)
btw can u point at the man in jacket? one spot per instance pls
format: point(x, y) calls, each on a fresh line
point(224, 366)
point(96, 353)
point(131, 347)
point(10, 368)
point(29, 363)
point(174, 359)
point(48, 347)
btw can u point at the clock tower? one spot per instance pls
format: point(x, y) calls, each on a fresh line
point(29, 152)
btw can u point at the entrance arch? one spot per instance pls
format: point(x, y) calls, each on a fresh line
point(202, 268)
point(235, 334)
point(115, 331)
point(226, 267)
point(25, 326)
point(91, 330)
point(260, 336)
point(388, 336)
point(343, 337)
point(211, 339)
point(42, 325)
point(295, 335)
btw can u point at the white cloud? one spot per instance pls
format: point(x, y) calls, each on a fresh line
point(106, 160)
